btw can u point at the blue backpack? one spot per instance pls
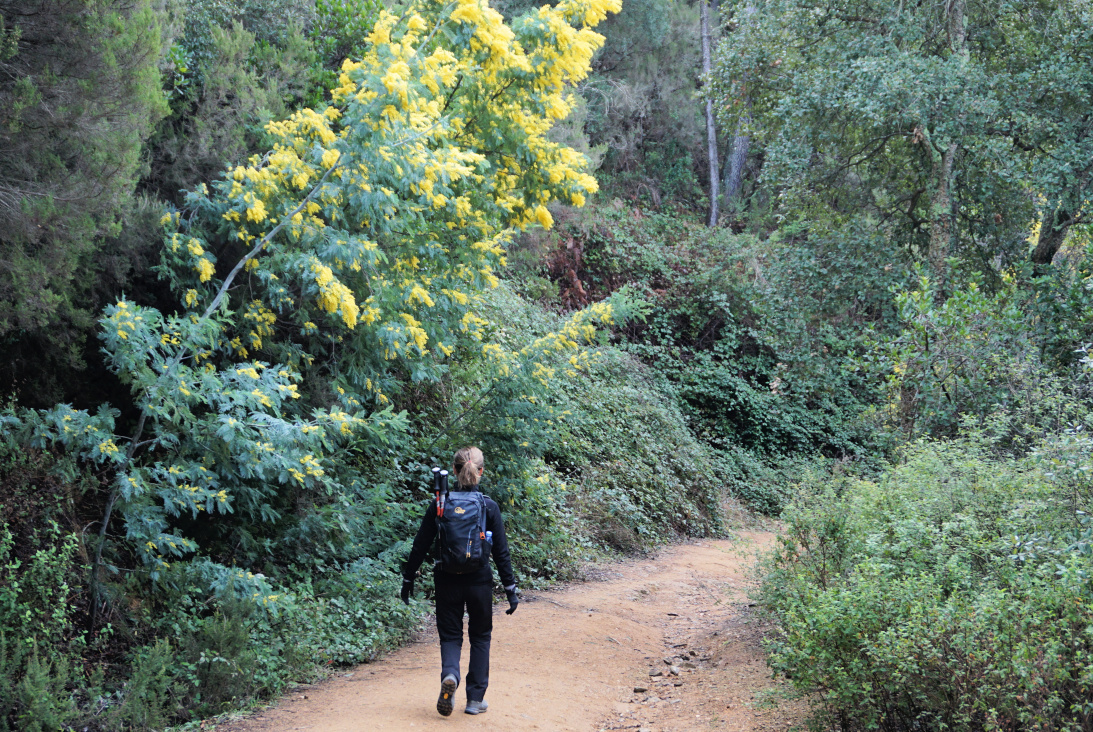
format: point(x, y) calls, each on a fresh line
point(461, 528)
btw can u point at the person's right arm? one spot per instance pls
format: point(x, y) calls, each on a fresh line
point(426, 535)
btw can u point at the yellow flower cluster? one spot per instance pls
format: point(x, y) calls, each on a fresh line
point(392, 206)
point(344, 421)
point(263, 319)
point(334, 297)
point(581, 327)
point(124, 320)
point(311, 466)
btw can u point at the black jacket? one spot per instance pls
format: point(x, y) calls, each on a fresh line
point(426, 535)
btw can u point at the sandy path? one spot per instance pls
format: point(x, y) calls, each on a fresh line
point(574, 658)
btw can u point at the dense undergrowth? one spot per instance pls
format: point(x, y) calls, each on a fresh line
point(953, 590)
point(301, 284)
point(623, 473)
point(956, 592)
point(763, 381)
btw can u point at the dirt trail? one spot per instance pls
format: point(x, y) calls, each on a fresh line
point(573, 659)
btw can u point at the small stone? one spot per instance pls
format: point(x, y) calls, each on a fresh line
point(656, 672)
point(687, 664)
point(674, 670)
point(652, 699)
point(669, 661)
point(678, 683)
point(640, 689)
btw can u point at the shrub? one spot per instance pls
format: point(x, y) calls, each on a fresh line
point(631, 458)
point(36, 631)
point(757, 381)
point(907, 605)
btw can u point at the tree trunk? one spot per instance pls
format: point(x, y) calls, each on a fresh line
point(941, 202)
point(734, 171)
point(711, 129)
point(941, 219)
point(957, 33)
point(1052, 233)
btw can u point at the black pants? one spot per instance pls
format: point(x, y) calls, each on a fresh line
point(453, 594)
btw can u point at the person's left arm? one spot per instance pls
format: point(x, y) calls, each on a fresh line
point(501, 556)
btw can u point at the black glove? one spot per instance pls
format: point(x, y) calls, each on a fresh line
point(407, 589)
point(513, 600)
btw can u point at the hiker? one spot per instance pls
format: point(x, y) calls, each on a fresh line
point(469, 528)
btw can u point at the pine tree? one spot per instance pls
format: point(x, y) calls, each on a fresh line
point(79, 93)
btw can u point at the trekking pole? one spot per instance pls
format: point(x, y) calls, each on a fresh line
point(436, 492)
point(443, 492)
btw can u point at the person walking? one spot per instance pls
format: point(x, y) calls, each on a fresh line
point(462, 576)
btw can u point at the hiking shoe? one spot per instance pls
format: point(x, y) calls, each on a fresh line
point(476, 707)
point(446, 702)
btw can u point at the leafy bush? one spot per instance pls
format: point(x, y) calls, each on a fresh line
point(36, 631)
point(638, 473)
point(758, 382)
point(240, 82)
point(909, 603)
point(79, 90)
point(974, 360)
point(340, 29)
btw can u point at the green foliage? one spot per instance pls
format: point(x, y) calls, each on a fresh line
point(1060, 305)
point(341, 27)
point(267, 23)
point(641, 104)
point(44, 704)
point(36, 631)
point(736, 334)
point(9, 40)
point(241, 81)
point(974, 359)
point(79, 90)
point(935, 140)
point(909, 603)
point(147, 701)
point(637, 471)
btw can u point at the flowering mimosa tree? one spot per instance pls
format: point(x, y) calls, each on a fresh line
point(314, 278)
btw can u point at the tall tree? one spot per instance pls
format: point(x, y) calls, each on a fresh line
point(943, 154)
point(79, 93)
point(947, 127)
point(741, 141)
point(711, 127)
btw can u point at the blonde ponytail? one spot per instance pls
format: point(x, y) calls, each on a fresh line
point(467, 462)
